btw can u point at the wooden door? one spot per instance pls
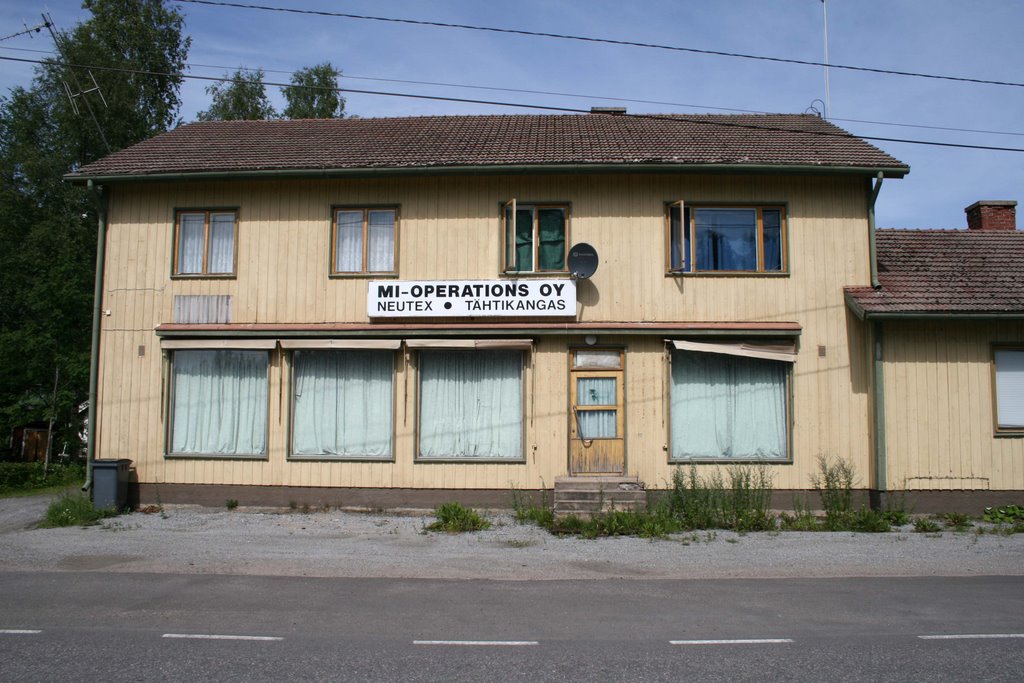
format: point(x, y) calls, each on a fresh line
point(596, 416)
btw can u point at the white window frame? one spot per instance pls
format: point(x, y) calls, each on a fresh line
point(1008, 389)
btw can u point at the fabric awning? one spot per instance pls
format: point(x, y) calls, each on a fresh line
point(389, 344)
point(263, 344)
point(781, 351)
point(524, 344)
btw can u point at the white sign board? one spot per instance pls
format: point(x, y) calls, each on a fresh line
point(470, 298)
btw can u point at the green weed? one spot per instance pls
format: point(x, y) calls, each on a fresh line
point(231, 503)
point(1006, 514)
point(925, 525)
point(74, 510)
point(454, 517)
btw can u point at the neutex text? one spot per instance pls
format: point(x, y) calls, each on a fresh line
point(470, 298)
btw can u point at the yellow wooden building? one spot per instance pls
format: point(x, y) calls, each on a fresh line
point(403, 311)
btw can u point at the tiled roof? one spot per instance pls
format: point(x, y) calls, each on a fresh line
point(511, 140)
point(946, 272)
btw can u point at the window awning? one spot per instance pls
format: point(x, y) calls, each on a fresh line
point(341, 343)
point(469, 343)
point(781, 351)
point(265, 344)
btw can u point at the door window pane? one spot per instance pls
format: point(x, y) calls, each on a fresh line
point(595, 391)
point(597, 424)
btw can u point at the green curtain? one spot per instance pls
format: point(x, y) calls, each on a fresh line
point(551, 232)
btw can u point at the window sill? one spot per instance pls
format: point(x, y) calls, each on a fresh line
point(215, 456)
point(469, 461)
point(204, 276)
point(363, 276)
point(342, 458)
point(727, 273)
point(730, 461)
point(551, 273)
point(1009, 434)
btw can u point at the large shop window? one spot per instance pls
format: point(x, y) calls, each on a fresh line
point(204, 243)
point(729, 407)
point(1009, 379)
point(363, 241)
point(342, 403)
point(218, 402)
point(471, 405)
point(535, 237)
point(726, 239)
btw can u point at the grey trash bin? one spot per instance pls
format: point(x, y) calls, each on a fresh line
point(110, 483)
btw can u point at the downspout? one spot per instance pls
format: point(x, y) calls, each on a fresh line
point(872, 247)
point(97, 313)
point(878, 383)
point(879, 402)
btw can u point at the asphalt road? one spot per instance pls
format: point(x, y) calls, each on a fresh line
point(135, 626)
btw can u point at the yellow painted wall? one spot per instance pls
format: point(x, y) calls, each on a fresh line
point(450, 229)
point(939, 408)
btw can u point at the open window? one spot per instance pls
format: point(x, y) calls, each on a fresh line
point(534, 237)
point(726, 239)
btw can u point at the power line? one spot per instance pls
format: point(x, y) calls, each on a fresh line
point(542, 107)
point(555, 93)
point(608, 41)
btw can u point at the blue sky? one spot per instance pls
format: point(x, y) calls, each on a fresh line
point(979, 39)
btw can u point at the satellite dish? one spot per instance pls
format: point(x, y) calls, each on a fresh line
point(582, 260)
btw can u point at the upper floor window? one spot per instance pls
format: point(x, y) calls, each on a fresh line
point(726, 239)
point(204, 242)
point(363, 240)
point(535, 237)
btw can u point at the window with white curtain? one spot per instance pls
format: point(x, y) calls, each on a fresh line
point(471, 405)
point(364, 240)
point(205, 243)
point(218, 402)
point(728, 407)
point(1009, 379)
point(342, 403)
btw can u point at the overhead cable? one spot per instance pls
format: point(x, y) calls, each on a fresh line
point(608, 41)
point(542, 107)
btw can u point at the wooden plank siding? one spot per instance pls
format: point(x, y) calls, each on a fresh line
point(449, 228)
point(939, 407)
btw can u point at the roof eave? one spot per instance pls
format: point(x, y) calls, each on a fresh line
point(259, 174)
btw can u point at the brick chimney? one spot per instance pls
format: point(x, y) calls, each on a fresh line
point(990, 214)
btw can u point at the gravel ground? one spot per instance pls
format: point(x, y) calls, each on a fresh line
point(194, 540)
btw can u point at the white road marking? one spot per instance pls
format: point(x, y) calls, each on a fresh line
point(475, 642)
point(973, 636)
point(205, 636)
point(735, 641)
point(18, 631)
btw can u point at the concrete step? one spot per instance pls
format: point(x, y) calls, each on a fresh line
point(587, 496)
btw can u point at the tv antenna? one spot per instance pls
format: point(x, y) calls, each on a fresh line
point(79, 93)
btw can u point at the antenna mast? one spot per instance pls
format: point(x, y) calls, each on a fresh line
point(79, 91)
point(824, 13)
